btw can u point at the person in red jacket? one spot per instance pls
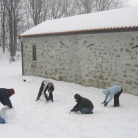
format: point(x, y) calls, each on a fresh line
point(5, 95)
point(46, 85)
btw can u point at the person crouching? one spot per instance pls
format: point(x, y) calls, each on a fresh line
point(84, 105)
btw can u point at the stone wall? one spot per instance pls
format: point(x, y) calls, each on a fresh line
point(98, 60)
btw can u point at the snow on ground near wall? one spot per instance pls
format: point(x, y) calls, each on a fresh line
point(30, 119)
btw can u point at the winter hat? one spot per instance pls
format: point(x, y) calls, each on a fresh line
point(77, 96)
point(12, 92)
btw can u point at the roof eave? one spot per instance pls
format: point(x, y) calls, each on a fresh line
point(86, 31)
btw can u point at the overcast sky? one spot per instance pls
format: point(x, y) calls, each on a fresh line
point(133, 2)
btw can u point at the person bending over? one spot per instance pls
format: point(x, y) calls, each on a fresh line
point(5, 95)
point(46, 85)
point(114, 91)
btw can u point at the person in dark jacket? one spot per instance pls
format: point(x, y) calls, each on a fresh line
point(46, 85)
point(5, 95)
point(84, 105)
point(113, 91)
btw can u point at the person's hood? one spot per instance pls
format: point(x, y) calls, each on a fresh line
point(106, 91)
point(77, 97)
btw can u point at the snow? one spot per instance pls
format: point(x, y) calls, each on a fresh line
point(7, 114)
point(31, 119)
point(133, 2)
point(123, 17)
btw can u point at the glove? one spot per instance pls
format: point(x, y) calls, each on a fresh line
point(11, 107)
point(71, 110)
point(37, 99)
point(105, 103)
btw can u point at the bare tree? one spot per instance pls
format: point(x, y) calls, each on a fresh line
point(3, 26)
point(46, 11)
point(56, 9)
point(12, 7)
point(9, 6)
point(102, 5)
point(84, 6)
point(41, 10)
point(88, 6)
point(36, 7)
point(68, 7)
point(27, 19)
point(17, 16)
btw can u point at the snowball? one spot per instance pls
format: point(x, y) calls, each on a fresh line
point(8, 113)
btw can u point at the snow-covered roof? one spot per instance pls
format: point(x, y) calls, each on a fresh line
point(105, 20)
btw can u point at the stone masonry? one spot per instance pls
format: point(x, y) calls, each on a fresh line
point(97, 60)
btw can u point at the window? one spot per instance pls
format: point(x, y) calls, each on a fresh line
point(34, 53)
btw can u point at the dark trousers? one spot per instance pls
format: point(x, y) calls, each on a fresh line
point(86, 111)
point(116, 98)
point(40, 91)
point(50, 94)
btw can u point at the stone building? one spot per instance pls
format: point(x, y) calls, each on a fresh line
point(97, 49)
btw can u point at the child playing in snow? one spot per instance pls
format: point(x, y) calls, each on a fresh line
point(46, 85)
point(114, 91)
point(84, 105)
point(5, 100)
point(5, 95)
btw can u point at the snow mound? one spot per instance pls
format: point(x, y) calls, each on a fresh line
point(7, 113)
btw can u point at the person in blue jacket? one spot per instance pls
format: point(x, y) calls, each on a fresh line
point(5, 95)
point(114, 91)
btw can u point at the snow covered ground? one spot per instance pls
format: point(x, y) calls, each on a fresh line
point(30, 119)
